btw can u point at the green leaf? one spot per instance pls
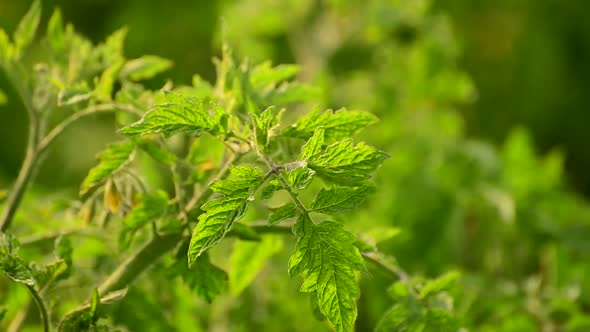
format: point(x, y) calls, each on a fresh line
point(17, 270)
point(27, 27)
point(346, 164)
point(248, 258)
point(264, 124)
point(112, 49)
point(157, 152)
point(438, 320)
point(439, 284)
point(94, 304)
point(271, 187)
point(340, 199)
point(55, 32)
point(240, 182)
point(104, 87)
point(314, 145)
point(150, 208)
point(74, 94)
point(6, 47)
point(264, 74)
point(206, 279)
point(282, 213)
point(337, 125)
point(291, 93)
point(214, 224)
point(145, 67)
point(82, 319)
point(405, 316)
point(325, 254)
point(111, 160)
point(300, 177)
point(179, 114)
point(3, 98)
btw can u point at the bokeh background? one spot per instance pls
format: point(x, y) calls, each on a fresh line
point(528, 59)
point(480, 102)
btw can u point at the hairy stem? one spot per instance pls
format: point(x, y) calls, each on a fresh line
point(41, 306)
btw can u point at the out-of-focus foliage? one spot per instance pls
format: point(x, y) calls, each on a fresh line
point(485, 238)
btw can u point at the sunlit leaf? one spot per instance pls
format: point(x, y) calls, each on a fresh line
point(327, 258)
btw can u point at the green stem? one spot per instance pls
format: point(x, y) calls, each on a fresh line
point(22, 180)
point(91, 110)
point(35, 150)
point(139, 262)
point(160, 245)
point(41, 306)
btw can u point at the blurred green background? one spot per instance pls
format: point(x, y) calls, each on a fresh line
point(528, 60)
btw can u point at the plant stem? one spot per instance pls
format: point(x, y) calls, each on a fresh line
point(140, 261)
point(41, 306)
point(90, 110)
point(24, 177)
point(158, 246)
point(36, 148)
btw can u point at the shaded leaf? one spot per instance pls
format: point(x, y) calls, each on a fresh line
point(206, 279)
point(282, 213)
point(157, 152)
point(150, 208)
point(112, 159)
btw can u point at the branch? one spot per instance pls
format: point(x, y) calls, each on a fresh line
point(159, 245)
point(90, 110)
point(36, 149)
point(41, 306)
point(140, 261)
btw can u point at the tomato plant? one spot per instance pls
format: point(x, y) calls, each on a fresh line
point(249, 204)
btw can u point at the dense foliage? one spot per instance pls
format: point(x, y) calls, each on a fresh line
point(215, 194)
